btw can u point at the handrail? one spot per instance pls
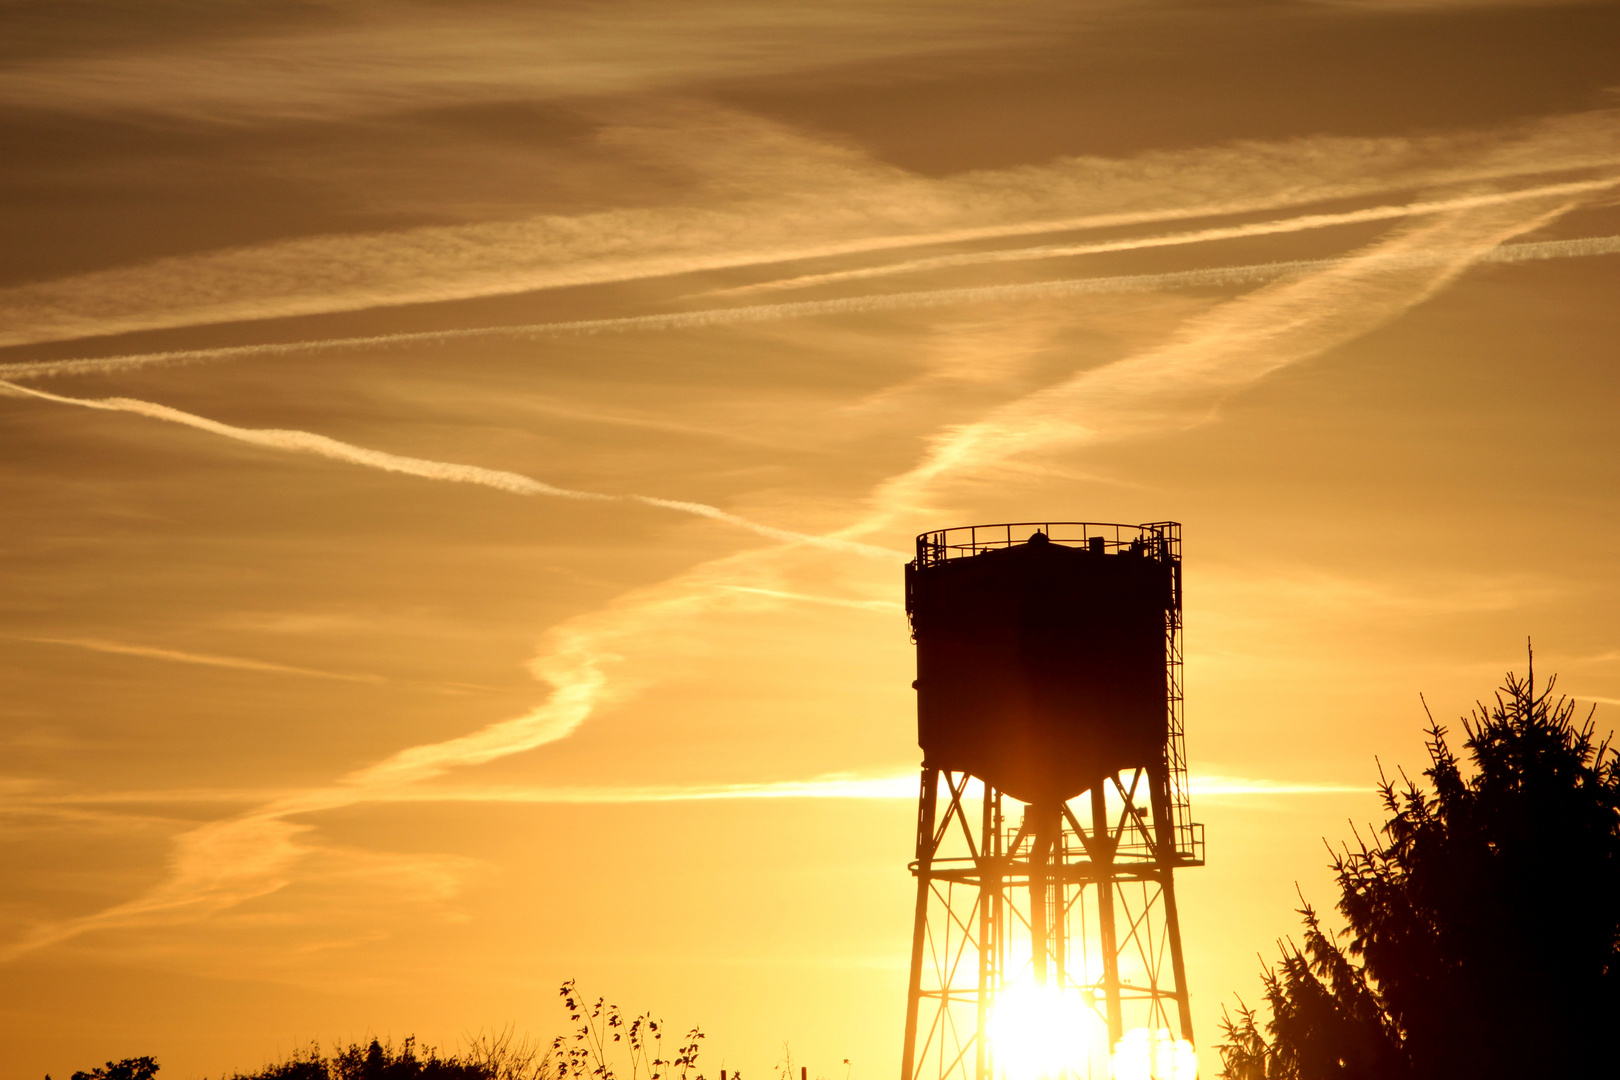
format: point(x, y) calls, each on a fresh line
point(1158, 539)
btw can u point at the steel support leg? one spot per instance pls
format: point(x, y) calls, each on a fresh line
point(989, 885)
point(919, 934)
point(1103, 855)
point(1165, 845)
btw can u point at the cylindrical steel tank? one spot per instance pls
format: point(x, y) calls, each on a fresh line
point(1041, 664)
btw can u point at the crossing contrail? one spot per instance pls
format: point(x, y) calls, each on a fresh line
point(221, 864)
point(1216, 276)
point(515, 483)
point(1196, 236)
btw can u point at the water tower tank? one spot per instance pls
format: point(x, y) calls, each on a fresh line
point(1041, 651)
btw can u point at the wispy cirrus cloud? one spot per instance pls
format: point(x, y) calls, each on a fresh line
point(763, 182)
point(351, 60)
point(225, 863)
point(1168, 386)
point(1180, 383)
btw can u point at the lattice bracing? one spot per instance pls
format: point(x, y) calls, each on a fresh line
point(1077, 898)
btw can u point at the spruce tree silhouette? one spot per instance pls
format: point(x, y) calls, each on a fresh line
point(1483, 934)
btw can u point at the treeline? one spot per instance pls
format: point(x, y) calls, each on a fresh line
point(497, 1059)
point(486, 1059)
point(604, 1044)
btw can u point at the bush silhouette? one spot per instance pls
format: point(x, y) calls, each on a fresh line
point(1483, 933)
point(137, 1068)
point(487, 1058)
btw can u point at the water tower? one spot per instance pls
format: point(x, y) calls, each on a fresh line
point(1054, 799)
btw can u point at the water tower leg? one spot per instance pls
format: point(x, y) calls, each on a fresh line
point(1108, 946)
point(1178, 967)
point(1041, 920)
point(1165, 841)
point(989, 888)
point(919, 934)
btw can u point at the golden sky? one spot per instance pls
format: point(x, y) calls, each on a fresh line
point(457, 464)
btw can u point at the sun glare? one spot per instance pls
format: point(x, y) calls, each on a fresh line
point(1156, 1055)
point(1044, 1033)
point(1040, 1032)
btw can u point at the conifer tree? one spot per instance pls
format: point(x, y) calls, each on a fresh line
point(1482, 933)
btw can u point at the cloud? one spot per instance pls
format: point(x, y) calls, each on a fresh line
point(227, 862)
point(1215, 276)
point(501, 480)
point(761, 184)
point(1169, 386)
point(224, 863)
point(1179, 384)
point(354, 60)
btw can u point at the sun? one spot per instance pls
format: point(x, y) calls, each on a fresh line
point(1048, 1033)
point(1041, 1032)
point(1154, 1055)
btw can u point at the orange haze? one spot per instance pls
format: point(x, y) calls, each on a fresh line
point(378, 653)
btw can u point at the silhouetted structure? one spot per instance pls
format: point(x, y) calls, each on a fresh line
point(1054, 800)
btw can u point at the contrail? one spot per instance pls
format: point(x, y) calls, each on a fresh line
point(830, 601)
point(208, 659)
point(310, 443)
point(898, 785)
point(514, 483)
point(835, 786)
point(1180, 382)
point(1215, 787)
point(870, 215)
point(1197, 236)
point(240, 663)
point(901, 786)
point(221, 864)
point(1250, 274)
